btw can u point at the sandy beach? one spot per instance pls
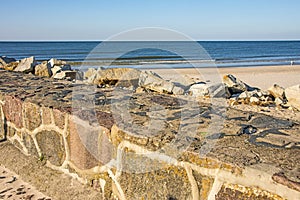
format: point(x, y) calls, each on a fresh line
point(261, 76)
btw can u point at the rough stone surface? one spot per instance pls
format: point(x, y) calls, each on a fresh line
point(120, 76)
point(152, 81)
point(235, 85)
point(26, 65)
point(5, 60)
point(277, 91)
point(66, 74)
point(13, 110)
point(293, 96)
point(212, 90)
point(91, 72)
point(55, 70)
point(52, 147)
point(2, 125)
point(43, 69)
point(54, 62)
point(79, 154)
point(32, 116)
point(11, 66)
point(160, 184)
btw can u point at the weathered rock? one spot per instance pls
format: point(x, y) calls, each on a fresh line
point(178, 90)
point(89, 73)
point(26, 65)
point(293, 96)
point(235, 85)
point(123, 76)
point(54, 62)
point(5, 60)
point(11, 66)
point(254, 100)
point(43, 69)
point(199, 89)
point(154, 82)
point(55, 70)
point(277, 91)
point(65, 74)
point(278, 101)
point(212, 90)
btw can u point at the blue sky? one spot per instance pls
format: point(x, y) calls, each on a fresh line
point(100, 19)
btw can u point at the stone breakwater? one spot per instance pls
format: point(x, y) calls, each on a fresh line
point(138, 142)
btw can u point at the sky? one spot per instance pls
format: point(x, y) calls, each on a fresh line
point(101, 19)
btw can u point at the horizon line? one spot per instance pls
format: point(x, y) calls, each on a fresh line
point(213, 40)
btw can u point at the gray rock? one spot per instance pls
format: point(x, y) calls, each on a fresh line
point(235, 85)
point(152, 81)
point(213, 90)
point(178, 90)
point(293, 96)
point(277, 91)
point(199, 90)
point(43, 69)
point(26, 65)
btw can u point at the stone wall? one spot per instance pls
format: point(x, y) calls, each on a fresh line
point(54, 121)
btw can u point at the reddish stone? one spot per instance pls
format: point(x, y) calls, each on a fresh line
point(13, 110)
point(88, 147)
point(2, 127)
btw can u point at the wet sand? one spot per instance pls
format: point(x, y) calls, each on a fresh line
point(262, 77)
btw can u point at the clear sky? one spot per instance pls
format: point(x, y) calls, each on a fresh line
point(99, 19)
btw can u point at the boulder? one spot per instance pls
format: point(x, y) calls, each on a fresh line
point(11, 66)
point(26, 65)
point(54, 62)
point(66, 75)
point(43, 69)
point(91, 72)
point(199, 90)
point(212, 90)
point(5, 60)
point(277, 91)
point(235, 85)
point(154, 82)
point(293, 96)
point(125, 77)
point(55, 70)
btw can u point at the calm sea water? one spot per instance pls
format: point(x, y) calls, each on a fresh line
point(160, 54)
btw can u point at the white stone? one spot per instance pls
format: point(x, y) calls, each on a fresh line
point(293, 96)
point(26, 65)
point(55, 70)
point(154, 82)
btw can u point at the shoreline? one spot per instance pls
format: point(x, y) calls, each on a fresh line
point(262, 76)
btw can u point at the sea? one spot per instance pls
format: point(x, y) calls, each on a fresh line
point(159, 54)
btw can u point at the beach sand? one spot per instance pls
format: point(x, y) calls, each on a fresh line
point(262, 77)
